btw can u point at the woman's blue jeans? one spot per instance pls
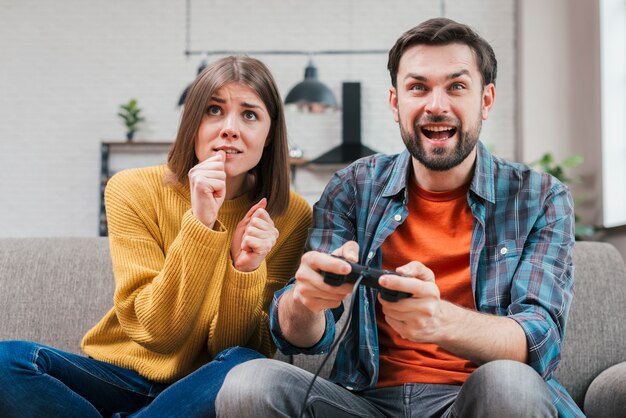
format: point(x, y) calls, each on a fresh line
point(36, 380)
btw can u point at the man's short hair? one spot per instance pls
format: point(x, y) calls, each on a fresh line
point(442, 31)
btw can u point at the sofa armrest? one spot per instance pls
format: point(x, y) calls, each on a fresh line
point(606, 396)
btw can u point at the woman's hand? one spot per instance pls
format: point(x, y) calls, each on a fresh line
point(207, 183)
point(253, 239)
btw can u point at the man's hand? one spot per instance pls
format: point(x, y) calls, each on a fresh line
point(207, 184)
point(418, 318)
point(310, 289)
point(253, 239)
point(425, 317)
point(301, 308)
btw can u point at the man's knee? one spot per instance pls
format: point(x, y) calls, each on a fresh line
point(260, 382)
point(505, 387)
point(506, 375)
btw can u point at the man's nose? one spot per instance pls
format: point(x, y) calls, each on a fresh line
point(437, 102)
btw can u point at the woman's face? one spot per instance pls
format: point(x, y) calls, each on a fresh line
point(237, 122)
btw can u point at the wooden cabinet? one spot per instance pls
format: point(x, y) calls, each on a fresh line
point(117, 155)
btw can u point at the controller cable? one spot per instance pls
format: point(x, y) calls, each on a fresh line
point(335, 343)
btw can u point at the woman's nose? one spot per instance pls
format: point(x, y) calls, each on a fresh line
point(229, 133)
point(230, 130)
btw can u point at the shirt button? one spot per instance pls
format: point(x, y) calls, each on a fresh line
point(370, 255)
point(503, 251)
point(398, 218)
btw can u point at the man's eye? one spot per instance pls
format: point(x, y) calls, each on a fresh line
point(214, 110)
point(457, 86)
point(249, 115)
point(418, 87)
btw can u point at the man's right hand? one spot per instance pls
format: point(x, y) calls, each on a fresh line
point(310, 289)
point(301, 308)
point(207, 184)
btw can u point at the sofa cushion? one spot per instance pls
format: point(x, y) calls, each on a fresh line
point(52, 290)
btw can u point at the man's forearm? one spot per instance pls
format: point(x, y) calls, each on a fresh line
point(482, 337)
point(299, 325)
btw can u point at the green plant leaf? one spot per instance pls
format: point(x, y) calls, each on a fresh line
point(572, 161)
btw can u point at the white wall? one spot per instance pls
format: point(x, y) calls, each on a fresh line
point(67, 66)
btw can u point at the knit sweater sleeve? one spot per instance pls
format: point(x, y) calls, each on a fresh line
point(158, 291)
point(243, 315)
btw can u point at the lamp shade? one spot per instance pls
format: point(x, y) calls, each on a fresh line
point(311, 94)
point(183, 96)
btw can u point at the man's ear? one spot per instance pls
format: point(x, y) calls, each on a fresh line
point(393, 103)
point(489, 96)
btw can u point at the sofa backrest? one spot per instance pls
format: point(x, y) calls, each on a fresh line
point(52, 290)
point(595, 337)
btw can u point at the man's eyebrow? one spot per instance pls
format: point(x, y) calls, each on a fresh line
point(459, 74)
point(452, 76)
point(415, 77)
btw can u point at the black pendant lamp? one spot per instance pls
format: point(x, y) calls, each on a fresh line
point(183, 96)
point(311, 95)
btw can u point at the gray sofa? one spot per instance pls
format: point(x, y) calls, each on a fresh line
point(52, 290)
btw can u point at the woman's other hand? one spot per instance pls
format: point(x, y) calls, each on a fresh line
point(253, 239)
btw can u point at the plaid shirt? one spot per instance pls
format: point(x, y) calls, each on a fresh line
point(520, 257)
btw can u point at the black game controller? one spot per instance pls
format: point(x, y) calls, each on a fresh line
point(370, 279)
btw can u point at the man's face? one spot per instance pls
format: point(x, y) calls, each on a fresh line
point(440, 103)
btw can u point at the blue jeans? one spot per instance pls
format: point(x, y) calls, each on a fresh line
point(36, 380)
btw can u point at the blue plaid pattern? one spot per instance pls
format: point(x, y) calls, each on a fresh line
point(520, 259)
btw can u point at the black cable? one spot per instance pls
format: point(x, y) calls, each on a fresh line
point(333, 346)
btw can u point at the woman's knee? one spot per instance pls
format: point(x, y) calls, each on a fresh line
point(15, 357)
point(238, 354)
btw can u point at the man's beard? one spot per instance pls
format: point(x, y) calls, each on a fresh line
point(440, 160)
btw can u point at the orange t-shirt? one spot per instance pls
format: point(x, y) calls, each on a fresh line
point(437, 233)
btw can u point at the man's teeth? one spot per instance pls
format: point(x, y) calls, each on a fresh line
point(438, 128)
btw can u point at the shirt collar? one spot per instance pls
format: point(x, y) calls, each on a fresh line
point(399, 174)
point(482, 183)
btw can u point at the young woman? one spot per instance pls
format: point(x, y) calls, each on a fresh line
point(198, 248)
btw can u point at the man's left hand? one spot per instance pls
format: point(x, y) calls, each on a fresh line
point(419, 317)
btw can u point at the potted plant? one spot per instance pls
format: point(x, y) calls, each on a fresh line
point(548, 164)
point(131, 117)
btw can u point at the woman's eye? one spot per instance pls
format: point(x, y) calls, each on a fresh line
point(214, 110)
point(249, 115)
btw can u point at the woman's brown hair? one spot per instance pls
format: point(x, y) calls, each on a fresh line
point(271, 174)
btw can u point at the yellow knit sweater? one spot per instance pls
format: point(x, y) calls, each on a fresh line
point(178, 299)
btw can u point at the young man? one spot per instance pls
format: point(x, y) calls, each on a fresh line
point(485, 246)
